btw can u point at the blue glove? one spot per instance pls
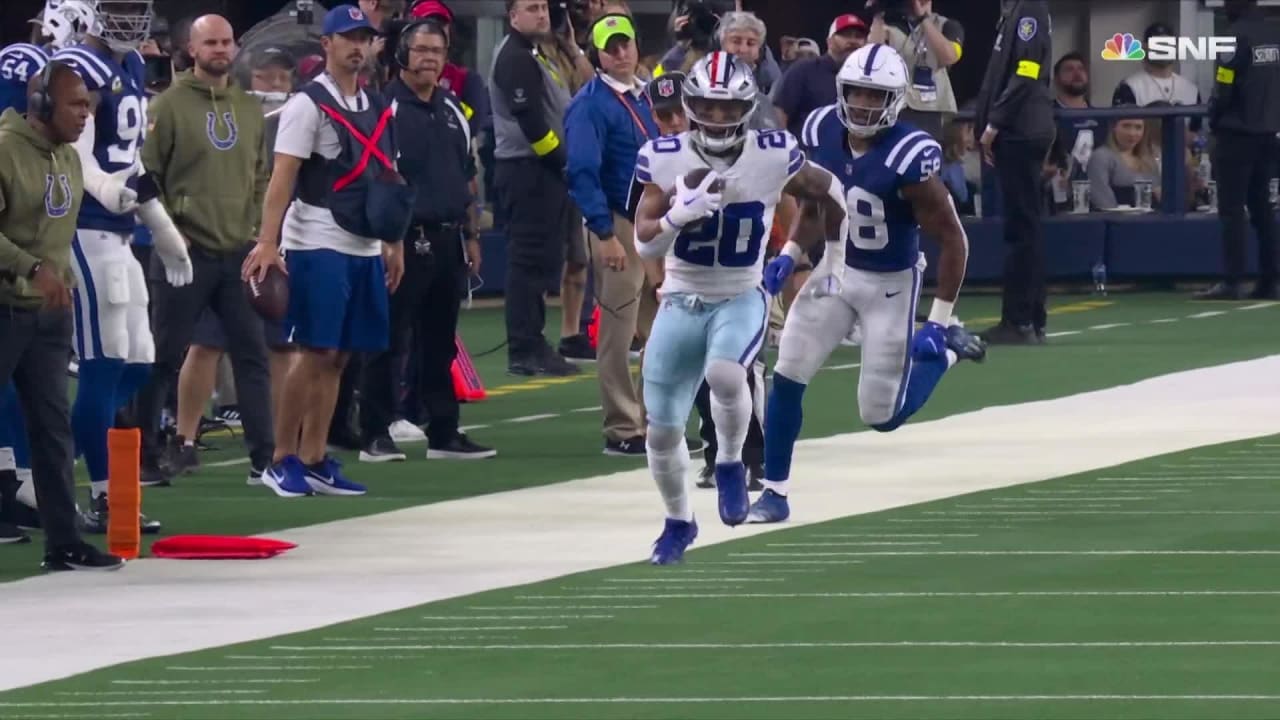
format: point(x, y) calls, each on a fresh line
point(777, 272)
point(930, 342)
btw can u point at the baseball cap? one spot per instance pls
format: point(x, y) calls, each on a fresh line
point(844, 22)
point(808, 44)
point(431, 9)
point(664, 91)
point(345, 19)
point(1158, 29)
point(610, 25)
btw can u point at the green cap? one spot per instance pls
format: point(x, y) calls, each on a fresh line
point(610, 25)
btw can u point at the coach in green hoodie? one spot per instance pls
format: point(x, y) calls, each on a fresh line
point(204, 149)
point(40, 190)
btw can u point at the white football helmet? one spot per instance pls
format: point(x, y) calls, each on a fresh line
point(878, 68)
point(123, 24)
point(67, 22)
point(719, 95)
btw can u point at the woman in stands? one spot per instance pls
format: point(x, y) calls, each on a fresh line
point(1127, 158)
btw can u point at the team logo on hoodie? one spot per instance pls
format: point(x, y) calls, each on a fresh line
point(57, 207)
point(211, 129)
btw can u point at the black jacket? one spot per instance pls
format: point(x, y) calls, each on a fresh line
point(435, 153)
point(1246, 90)
point(1015, 97)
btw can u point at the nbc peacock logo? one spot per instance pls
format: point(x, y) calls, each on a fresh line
point(1123, 47)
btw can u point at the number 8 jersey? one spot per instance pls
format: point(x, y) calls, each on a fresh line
point(723, 256)
point(119, 122)
point(884, 235)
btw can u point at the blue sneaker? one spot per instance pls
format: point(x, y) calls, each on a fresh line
point(677, 535)
point(770, 507)
point(965, 344)
point(731, 484)
point(330, 480)
point(287, 478)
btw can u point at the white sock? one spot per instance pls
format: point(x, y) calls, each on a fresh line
point(188, 443)
point(730, 408)
point(6, 459)
point(952, 358)
point(778, 486)
point(98, 487)
point(669, 463)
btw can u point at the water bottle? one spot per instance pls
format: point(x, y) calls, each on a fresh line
point(1100, 278)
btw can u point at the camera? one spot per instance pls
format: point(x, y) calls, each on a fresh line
point(704, 16)
point(570, 13)
point(892, 9)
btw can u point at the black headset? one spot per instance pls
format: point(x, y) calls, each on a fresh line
point(40, 102)
point(408, 31)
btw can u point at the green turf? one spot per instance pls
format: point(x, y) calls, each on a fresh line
point(216, 500)
point(775, 627)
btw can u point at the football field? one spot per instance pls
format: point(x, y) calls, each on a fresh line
point(1089, 529)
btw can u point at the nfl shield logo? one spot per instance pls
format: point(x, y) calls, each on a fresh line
point(666, 88)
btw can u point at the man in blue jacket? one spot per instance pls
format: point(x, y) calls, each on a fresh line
point(606, 124)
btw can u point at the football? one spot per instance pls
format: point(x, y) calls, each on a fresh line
point(695, 177)
point(270, 298)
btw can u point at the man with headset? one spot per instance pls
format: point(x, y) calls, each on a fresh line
point(440, 250)
point(41, 185)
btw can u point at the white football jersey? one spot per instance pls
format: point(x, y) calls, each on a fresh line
point(723, 255)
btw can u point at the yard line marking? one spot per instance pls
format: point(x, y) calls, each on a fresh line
point(784, 562)
point(652, 700)
point(964, 594)
point(469, 629)
point(685, 580)
point(532, 418)
point(1232, 464)
point(846, 366)
point(366, 638)
point(1063, 333)
point(469, 428)
point(1258, 306)
point(563, 607)
point(895, 535)
point(884, 644)
point(1165, 320)
point(1179, 476)
point(625, 588)
point(1263, 453)
point(1083, 494)
point(285, 657)
point(1108, 326)
point(96, 693)
point(971, 506)
point(237, 668)
point(850, 544)
point(247, 681)
point(1272, 445)
point(936, 520)
point(515, 617)
point(1210, 313)
point(1068, 499)
point(1107, 512)
point(596, 408)
point(938, 553)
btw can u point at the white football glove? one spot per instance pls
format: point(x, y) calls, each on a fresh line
point(169, 243)
point(692, 204)
point(111, 190)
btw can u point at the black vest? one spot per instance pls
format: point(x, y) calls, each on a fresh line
point(361, 186)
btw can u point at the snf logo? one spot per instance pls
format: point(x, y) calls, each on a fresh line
point(1124, 46)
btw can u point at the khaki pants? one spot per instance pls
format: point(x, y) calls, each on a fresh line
point(628, 305)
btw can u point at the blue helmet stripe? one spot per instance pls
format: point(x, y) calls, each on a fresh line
point(871, 59)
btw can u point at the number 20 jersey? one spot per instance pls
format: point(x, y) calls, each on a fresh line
point(120, 121)
point(723, 255)
point(884, 235)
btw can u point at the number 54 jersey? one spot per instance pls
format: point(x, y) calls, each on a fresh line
point(884, 235)
point(723, 256)
point(120, 121)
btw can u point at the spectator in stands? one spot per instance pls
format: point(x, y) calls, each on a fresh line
point(1069, 157)
point(806, 49)
point(606, 124)
point(811, 84)
point(929, 44)
point(742, 34)
point(1126, 158)
point(212, 177)
point(1157, 80)
point(529, 94)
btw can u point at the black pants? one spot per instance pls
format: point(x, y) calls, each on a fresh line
point(753, 448)
point(217, 286)
point(540, 218)
point(424, 312)
point(34, 353)
point(1244, 164)
point(1019, 166)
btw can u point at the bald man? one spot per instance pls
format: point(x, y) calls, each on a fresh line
point(205, 152)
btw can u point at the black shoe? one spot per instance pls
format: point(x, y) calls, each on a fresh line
point(459, 447)
point(80, 556)
point(154, 476)
point(1221, 291)
point(229, 415)
point(185, 460)
point(94, 520)
point(382, 450)
point(637, 347)
point(631, 447)
point(11, 535)
point(553, 364)
point(706, 477)
point(577, 348)
point(1003, 334)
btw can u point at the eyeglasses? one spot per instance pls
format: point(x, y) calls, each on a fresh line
point(426, 50)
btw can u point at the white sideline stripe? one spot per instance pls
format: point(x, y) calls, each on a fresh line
point(993, 506)
point(139, 691)
point(846, 366)
point(413, 638)
point(850, 544)
point(1208, 314)
point(597, 408)
point(950, 553)
point(883, 644)
point(1126, 498)
point(685, 580)
point(1171, 476)
point(1064, 333)
point(471, 629)
point(1258, 306)
point(379, 657)
point(1106, 512)
point(516, 538)
point(1082, 494)
point(531, 418)
point(1108, 326)
point(61, 716)
point(249, 681)
point(515, 617)
point(895, 535)
point(257, 668)
point(1165, 320)
point(1230, 464)
point(469, 428)
point(563, 607)
point(958, 594)
point(660, 700)
point(938, 520)
point(781, 562)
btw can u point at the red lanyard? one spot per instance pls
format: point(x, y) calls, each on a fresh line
point(644, 130)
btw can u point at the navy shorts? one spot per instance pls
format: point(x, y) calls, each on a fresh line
point(337, 301)
point(208, 333)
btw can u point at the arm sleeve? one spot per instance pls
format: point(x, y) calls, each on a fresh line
point(299, 123)
point(1101, 195)
point(14, 261)
point(585, 129)
point(517, 77)
point(1030, 51)
point(1123, 95)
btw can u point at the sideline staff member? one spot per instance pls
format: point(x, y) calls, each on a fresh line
point(1015, 110)
point(1244, 115)
point(435, 153)
point(40, 190)
point(929, 43)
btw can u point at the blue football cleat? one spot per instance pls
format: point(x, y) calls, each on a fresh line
point(966, 345)
point(731, 484)
point(676, 537)
point(770, 507)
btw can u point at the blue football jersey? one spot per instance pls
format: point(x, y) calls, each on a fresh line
point(19, 63)
point(120, 122)
point(883, 233)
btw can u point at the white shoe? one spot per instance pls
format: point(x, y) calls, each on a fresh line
point(26, 490)
point(403, 431)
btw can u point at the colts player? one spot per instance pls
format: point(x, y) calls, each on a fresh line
point(889, 170)
point(712, 320)
point(113, 333)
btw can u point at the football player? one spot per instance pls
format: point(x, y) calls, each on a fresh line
point(62, 23)
point(890, 173)
point(113, 334)
point(712, 235)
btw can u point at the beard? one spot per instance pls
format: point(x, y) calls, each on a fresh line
point(215, 68)
point(1079, 90)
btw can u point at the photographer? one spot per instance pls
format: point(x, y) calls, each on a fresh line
point(696, 25)
point(929, 44)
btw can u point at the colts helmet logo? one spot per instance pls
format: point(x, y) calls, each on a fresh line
point(211, 129)
point(57, 208)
